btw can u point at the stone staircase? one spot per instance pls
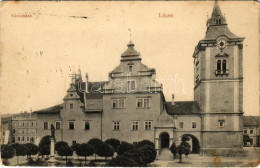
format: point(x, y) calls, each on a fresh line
point(165, 154)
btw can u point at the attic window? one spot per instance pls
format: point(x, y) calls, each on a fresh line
point(218, 20)
point(71, 95)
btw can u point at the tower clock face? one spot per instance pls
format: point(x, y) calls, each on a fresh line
point(222, 43)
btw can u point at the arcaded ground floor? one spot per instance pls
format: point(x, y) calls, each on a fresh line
point(251, 158)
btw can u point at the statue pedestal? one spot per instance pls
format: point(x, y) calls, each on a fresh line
point(52, 160)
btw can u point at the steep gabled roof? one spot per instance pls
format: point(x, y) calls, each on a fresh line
point(216, 31)
point(165, 120)
point(93, 105)
point(49, 110)
point(251, 121)
point(183, 107)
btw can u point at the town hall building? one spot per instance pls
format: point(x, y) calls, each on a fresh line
point(131, 106)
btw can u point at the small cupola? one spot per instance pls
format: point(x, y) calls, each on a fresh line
point(130, 53)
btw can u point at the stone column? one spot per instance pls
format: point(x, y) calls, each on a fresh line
point(171, 141)
point(157, 146)
point(52, 160)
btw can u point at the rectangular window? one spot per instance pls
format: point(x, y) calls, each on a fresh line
point(148, 125)
point(143, 103)
point(131, 85)
point(71, 125)
point(135, 125)
point(45, 125)
point(32, 123)
point(116, 126)
point(14, 131)
point(18, 139)
point(251, 131)
point(71, 106)
point(118, 103)
point(74, 142)
point(181, 124)
point(22, 138)
point(87, 125)
point(245, 131)
point(130, 68)
point(221, 123)
point(194, 125)
point(28, 139)
point(58, 123)
point(140, 103)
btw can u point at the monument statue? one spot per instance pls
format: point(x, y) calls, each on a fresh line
point(52, 160)
point(52, 131)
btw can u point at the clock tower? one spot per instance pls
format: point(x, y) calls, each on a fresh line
point(218, 87)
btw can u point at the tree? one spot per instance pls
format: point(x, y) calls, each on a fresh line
point(136, 155)
point(45, 141)
point(246, 139)
point(122, 161)
point(31, 149)
point(65, 150)
point(183, 148)
point(113, 142)
point(59, 144)
point(20, 150)
point(123, 147)
point(185, 138)
point(145, 142)
point(45, 150)
point(173, 150)
point(95, 142)
point(148, 153)
point(7, 152)
point(85, 150)
point(105, 150)
point(74, 146)
point(187, 148)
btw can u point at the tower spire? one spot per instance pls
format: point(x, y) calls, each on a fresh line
point(217, 18)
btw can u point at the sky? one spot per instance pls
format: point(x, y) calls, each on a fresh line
point(39, 53)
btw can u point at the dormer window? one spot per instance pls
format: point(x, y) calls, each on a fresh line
point(218, 20)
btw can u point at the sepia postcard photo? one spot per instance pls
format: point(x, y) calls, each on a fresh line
point(130, 83)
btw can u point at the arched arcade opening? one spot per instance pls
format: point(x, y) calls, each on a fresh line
point(194, 142)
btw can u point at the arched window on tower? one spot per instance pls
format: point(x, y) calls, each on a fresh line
point(218, 20)
point(224, 66)
point(219, 66)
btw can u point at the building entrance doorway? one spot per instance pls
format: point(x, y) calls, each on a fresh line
point(165, 140)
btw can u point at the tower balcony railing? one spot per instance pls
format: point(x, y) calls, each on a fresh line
point(221, 72)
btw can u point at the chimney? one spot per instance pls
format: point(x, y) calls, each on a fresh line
point(173, 103)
